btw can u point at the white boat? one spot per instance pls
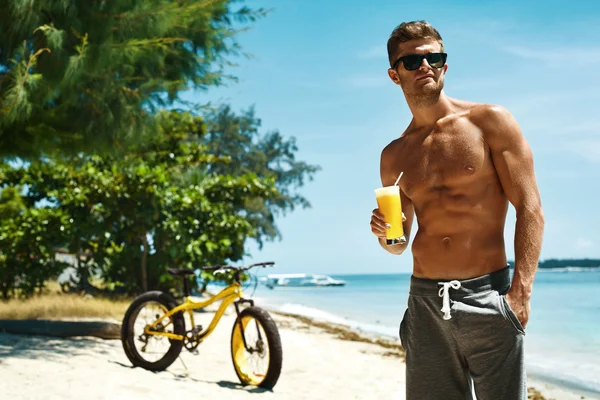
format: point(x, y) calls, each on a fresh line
point(301, 280)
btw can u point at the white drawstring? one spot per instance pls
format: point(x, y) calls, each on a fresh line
point(443, 293)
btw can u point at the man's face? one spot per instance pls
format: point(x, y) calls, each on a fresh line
point(425, 81)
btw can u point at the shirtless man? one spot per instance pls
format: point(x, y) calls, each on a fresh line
point(463, 163)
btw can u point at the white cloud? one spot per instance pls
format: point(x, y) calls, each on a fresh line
point(586, 128)
point(588, 149)
point(482, 29)
point(368, 81)
point(536, 104)
point(555, 124)
point(583, 243)
point(561, 57)
point(477, 83)
point(379, 51)
point(307, 84)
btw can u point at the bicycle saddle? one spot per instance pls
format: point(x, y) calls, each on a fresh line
point(180, 271)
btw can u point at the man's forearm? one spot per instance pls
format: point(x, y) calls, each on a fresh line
point(394, 248)
point(529, 232)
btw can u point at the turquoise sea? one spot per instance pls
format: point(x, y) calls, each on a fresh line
point(562, 338)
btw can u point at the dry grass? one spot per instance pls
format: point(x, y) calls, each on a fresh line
point(534, 394)
point(55, 305)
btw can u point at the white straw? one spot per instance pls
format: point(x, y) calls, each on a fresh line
point(398, 180)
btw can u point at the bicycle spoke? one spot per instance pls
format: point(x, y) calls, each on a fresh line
point(151, 347)
point(253, 361)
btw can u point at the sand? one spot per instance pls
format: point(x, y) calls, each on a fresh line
point(317, 364)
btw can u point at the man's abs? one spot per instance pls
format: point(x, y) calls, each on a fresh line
point(460, 236)
point(458, 256)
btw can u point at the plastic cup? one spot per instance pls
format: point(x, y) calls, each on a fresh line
point(388, 201)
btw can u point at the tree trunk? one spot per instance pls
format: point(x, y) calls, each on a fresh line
point(143, 263)
point(82, 269)
point(204, 285)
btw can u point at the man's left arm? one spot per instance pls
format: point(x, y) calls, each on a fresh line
point(513, 161)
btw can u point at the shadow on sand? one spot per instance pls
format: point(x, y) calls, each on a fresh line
point(42, 347)
point(184, 377)
point(49, 348)
point(224, 384)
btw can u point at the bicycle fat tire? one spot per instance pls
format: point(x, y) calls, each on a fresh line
point(128, 335)
point(273, 342)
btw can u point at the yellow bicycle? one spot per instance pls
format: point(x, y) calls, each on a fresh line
point(153, 332)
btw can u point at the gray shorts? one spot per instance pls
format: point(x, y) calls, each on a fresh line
point(463, 333)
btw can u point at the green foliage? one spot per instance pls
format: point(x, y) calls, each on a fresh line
point(28, 237)
point(269, 155)
point(136, 218)
point(90, 75)
point(11, 202)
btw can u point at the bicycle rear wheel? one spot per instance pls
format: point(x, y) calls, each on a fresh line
point(151, 352)
point(258, 362)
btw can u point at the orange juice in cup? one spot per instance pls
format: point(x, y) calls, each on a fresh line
point(388, 201)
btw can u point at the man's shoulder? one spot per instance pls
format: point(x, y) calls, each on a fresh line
point(496, 123)
point(393, 147)
point(480, 114)
point(484, 115)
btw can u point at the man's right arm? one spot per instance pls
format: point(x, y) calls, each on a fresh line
point(408, 214)
point(388, 178)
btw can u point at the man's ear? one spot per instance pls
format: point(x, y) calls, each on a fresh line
point(393, 74)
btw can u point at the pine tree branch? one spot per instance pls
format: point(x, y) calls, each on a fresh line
point(163, 10)
point(158, 42)
point(17, 93)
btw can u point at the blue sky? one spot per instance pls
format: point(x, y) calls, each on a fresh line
point(319, 74)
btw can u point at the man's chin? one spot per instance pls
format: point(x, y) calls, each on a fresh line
point(424, 96)
point(426, 91)
point(428, 87)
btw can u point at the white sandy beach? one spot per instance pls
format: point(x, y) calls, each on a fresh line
point(316, 365)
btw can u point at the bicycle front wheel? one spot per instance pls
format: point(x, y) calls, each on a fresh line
point(257, 361)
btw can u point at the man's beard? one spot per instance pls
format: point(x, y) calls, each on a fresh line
point(425, 95)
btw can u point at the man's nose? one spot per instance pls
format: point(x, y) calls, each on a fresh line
point(425, 64)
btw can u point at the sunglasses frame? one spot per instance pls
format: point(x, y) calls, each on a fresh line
point(422, 57)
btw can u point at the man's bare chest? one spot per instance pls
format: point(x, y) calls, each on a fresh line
point(442, 160)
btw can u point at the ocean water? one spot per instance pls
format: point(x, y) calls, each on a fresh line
point(562, 336)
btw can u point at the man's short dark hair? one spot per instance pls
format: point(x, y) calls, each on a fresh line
point(406, 31)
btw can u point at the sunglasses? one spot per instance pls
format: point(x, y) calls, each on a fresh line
point(412, 62)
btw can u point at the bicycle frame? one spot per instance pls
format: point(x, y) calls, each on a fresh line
point(229, 295)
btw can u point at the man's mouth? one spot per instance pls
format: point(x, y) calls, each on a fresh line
point(424, 77)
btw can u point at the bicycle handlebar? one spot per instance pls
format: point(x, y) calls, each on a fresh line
point(261, 264)
point(239, 269)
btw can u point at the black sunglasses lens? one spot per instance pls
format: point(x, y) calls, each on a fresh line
point(412, 62)
point(436, 60)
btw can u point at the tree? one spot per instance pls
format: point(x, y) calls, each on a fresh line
point(28, 237)
point(89, 75)
point(135, 218)
point(269, 154)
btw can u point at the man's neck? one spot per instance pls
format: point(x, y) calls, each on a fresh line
point(427, 113)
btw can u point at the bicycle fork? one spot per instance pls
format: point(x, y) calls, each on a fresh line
point(237, 311)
